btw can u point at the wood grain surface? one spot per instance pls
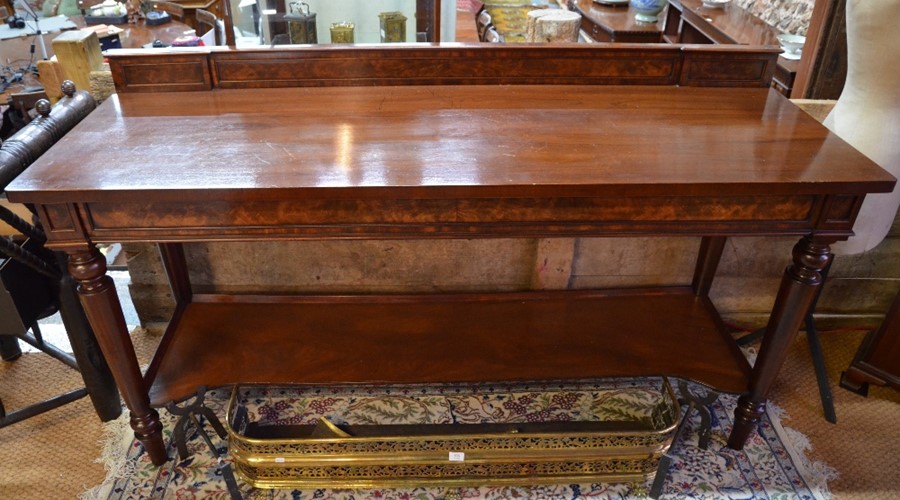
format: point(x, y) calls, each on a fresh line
point(441, 141)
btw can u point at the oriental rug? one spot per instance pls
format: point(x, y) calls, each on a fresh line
point(772, 464)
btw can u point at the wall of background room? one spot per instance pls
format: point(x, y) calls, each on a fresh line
point(859, 291)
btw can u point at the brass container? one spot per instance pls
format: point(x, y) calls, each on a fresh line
point(301, 25)
point(393, 27)
point(617, 449)
point(342, 32)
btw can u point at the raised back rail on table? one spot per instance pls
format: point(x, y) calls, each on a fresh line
point(452, 141)
point(449, 64)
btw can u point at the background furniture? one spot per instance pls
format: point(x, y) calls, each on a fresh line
point(208, 22)
point(823, 68)
point(614, 23)
point(687, 21)
point(34, 282)
point(867, 116)
point(175, 11)
point(220, 8)
point(19, 112)
point(878, 359)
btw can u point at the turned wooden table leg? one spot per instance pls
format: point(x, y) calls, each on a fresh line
point(798, 288)
point(711, 248)
point(101, 304)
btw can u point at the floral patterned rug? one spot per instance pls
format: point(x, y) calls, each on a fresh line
point(772, 464)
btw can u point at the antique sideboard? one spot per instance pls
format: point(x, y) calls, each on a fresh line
point(437, 142)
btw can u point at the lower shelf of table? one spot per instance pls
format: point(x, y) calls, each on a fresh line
point(221, 340)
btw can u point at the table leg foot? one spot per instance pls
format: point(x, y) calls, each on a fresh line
point(747, 415)
point(148, 430)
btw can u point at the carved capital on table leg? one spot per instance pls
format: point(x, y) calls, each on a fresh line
point(810, 258)
point(97, 293)
point(89, 268)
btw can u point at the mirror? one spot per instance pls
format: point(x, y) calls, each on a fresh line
point(278, 22)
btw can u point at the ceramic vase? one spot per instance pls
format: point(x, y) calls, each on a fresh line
point(647, 10)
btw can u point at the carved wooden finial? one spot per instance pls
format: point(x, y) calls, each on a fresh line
point(43, 106)
point(68, 88)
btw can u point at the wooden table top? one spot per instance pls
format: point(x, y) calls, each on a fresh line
point(440, 141)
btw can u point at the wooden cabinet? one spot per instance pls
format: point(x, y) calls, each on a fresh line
point(878, 359)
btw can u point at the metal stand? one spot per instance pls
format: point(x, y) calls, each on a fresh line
point(815, 349)
point(193, 413)
point(700, 404)
point(37, 28)
point(694, 402)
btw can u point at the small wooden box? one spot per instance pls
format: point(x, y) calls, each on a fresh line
point(79, 53)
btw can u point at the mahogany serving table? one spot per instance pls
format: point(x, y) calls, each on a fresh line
point(475, 142)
